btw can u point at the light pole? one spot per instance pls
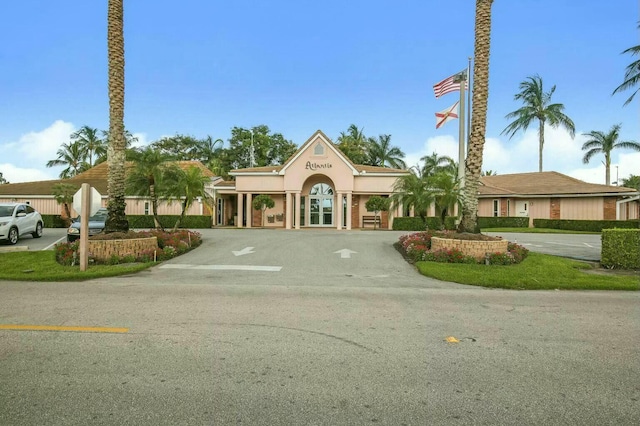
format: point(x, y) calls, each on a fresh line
point(252, 155)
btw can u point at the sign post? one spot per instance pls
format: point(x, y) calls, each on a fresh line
point(86, 201)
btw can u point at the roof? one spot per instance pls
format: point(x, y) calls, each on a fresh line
point(95, 176)
point(544, 183)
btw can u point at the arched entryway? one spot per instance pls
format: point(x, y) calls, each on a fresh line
point(321, 205)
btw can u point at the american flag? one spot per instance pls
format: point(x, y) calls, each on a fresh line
point(451, 84)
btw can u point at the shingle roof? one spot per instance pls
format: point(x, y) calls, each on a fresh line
point(543, 183)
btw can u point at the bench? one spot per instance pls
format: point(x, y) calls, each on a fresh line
point(374, 220)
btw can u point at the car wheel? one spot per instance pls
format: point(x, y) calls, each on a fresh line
point(13, 235)
point(38, 232)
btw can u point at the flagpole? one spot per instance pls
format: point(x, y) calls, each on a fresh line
point(461, 138)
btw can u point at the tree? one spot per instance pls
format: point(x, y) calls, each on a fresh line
point(147, 177)
point(633, 181)
point(208, 151)
point(263, 202)
point(445, 187)
point(382, 154)
point(353, 144)
point(71, 155)
point(186, 186)
point(603, 143)
point(63, 194)
point(101, 151)
point(489, 173)
point(2, 179)
point(116, 218)
point(632, 73)
point(90, 143)
point(270, 149)
point(412, 191)
point(377, 204)
point(537, 106)
point(473, 165)
point(178, 147)
point(435, 163)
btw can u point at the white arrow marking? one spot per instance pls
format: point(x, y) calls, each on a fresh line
point(246, 250)
point(345, 253)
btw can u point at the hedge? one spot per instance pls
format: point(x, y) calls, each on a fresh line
point(143, 221)
point(416, 223)
point(585, 225)
point(620, 248)
point(53, 221)
point(502, 222)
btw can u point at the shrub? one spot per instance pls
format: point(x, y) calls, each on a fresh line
point(502, 222)
point(585, 225)
point(417, 224)
point(620, 248)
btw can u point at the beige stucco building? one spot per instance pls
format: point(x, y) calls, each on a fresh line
point(317, 187)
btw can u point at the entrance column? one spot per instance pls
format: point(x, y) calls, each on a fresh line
point(339, 210)
point(296, 212)
point(249, 210)
point(239, 210)
point(288, 211)
point(348, 211)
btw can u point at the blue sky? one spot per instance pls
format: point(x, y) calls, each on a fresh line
point(200, 67)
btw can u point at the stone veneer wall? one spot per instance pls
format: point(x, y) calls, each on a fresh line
point(477, 249)
point(103, 250)
point(609, 208)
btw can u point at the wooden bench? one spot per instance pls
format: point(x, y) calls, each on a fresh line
point(373, 220)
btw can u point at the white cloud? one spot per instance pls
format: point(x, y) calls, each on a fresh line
point(15, 174)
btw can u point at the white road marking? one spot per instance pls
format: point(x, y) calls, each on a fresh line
point(223, 267)
point(588, 245)
point(345, 253)
point(246, 250)
point(50, 246)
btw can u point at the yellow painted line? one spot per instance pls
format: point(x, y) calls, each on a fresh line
point(63, 328)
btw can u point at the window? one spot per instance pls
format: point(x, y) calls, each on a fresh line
point(496, 208)
point(146, 208)
point(318, 149)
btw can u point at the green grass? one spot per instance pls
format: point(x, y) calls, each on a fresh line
point(536, 272)
point(537, 231)
point(42, 266)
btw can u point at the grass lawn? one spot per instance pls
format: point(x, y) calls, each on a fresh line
point(536, 272)
point(42, 266)
point(537, 231)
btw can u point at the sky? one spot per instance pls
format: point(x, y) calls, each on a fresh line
point(204, 67)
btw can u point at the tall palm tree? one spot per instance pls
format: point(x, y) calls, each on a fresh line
point(632, 73)
point(186, 186)
point(537, 106)
point(473, 165)
point(208, 151)
point(90, 142)
point(382, 154)
point(71, 155)
point(116, 219)
point(435, 163)
point(353, 144)
point(147, 177)
point(603, 143)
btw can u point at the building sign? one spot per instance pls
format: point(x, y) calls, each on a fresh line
point(315, 166)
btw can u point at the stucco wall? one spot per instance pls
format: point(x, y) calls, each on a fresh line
point(582, 208)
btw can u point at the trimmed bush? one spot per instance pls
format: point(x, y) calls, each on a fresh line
point(416, 223)
point(53, 221)
point(585, 225)
point(502, 222)
point(167, 221)
point(621, 248)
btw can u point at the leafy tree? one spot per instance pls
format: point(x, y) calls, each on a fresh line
point(270, 149)
point(353, 144)
point(63, 194)
point(71, 155)
point(473, 165)
point(435, 163)
point(412, 191)
point(186, 186)
point(90, 143)
point(2, 179)
point(446, 191)
point(263, 202)
point(147, 177)
point(603, 143)
point(632, 73)
point(382, 154)
point(377, 204)
point(537, 106)
point(633, 181)
point(178, 147)
point(116, 218)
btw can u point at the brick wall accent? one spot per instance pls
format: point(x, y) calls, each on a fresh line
point(103, 250)
point(477, 249)
point(256, 217)
point(503, 207)
point(609, 208)
point(284, 210)
point(355, 209)
point(384, 220)
point(554, 208)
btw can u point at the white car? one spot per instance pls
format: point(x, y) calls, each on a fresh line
point(18, 219)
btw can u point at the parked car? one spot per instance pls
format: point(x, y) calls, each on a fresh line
point(18, 219)
point(96, 225)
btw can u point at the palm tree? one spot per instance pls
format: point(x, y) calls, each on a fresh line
point(63, 194)
point(187, 186)
point(434, 163)
point(116, 219)
point(147, 177)
point(632, 73)
point(353, 144)
point(473, 166)
point(382, 154)
point(537, 106)
point(2, 179)
point(412, 191)
point(208, 151)
point(101, 151)
point(89, 142)
point(603, 143)
point(633, 181)
point(71, 155)
point(445, 187)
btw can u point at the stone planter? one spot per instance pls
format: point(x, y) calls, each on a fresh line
point(477, 249)
point(103, 250)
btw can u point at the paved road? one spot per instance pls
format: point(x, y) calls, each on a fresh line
point(328, 338)
point(577, 246)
